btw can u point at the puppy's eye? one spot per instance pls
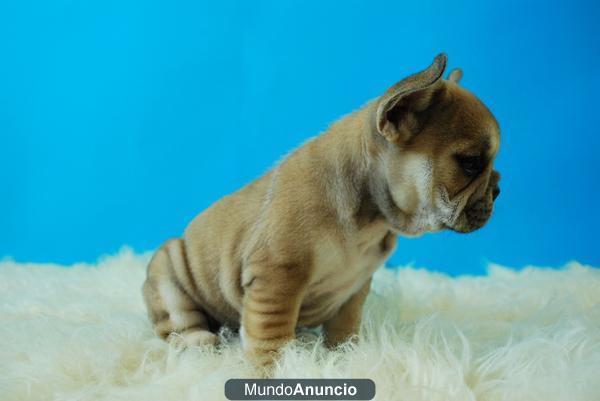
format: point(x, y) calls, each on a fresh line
point(471, 165)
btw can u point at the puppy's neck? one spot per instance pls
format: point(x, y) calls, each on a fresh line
point(358, 187)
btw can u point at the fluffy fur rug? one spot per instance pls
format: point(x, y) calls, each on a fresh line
point(81, 333)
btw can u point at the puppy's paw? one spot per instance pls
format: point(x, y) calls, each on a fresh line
point(193, 338)
point(264, 364)
point(336, 341)
point(261, 354)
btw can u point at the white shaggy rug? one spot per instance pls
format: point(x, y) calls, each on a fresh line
point(81, 333)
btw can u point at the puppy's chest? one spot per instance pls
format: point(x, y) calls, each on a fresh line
point(343, 264)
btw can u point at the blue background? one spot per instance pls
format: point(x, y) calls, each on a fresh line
point(121, 120)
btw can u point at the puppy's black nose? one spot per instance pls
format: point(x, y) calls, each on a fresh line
point(496, 192)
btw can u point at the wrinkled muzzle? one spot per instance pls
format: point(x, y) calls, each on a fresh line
point(479, 207)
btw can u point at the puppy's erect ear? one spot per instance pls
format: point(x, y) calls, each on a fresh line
point(396, 109)
point(455, 75)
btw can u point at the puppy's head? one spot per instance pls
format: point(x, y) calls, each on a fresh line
point(438, 153)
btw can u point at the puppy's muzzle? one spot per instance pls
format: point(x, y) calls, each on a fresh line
point(478, 213)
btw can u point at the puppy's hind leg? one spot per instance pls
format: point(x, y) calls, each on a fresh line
point(173, 312)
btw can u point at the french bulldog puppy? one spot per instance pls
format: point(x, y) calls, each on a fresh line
point(298, 246)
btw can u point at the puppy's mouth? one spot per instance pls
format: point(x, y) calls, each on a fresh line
point(463, 230)
point(473, 218)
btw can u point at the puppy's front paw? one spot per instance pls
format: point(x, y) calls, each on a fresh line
point(335, 340)
point(193, 338)
point(262, 354)
point(263, 362)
